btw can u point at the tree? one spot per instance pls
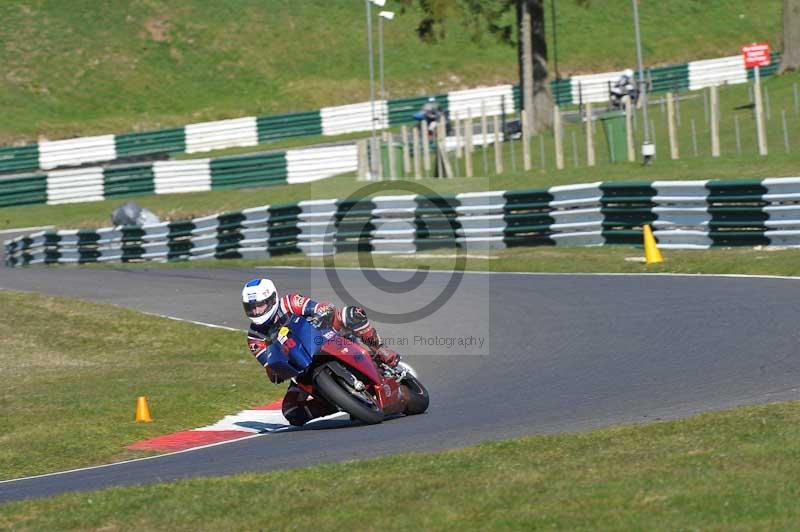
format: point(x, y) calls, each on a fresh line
point(501, 18)
point(791, 35)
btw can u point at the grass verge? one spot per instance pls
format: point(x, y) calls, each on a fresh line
point(607, 259)
point(736, 469)
point(72, 372)
point(155, 64)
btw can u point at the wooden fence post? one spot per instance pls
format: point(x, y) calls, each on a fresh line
point(363, 170)
point(485, 138)
point(673, 136)
point(376, 158)
point(406, 154)
point(426, 147)
point(441, 146)
point(629, 128)
point(526, 142)
point(714, 120)
point(498, 146)
point(457, 129)
point(440, 136)
point(416, 154)
point(557, 134)
point(468, 146)
point(760, 128)
point(589, 135)
point(391, 158)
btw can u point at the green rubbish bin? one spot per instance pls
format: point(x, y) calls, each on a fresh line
point(614, 127)
point(397, 147)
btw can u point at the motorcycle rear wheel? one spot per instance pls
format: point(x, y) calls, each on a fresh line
point(340, 394)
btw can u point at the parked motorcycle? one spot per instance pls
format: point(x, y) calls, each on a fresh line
point(341, 370)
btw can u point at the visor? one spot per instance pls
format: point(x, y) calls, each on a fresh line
point(256, 309)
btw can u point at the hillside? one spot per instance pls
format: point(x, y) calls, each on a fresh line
point(145, 64)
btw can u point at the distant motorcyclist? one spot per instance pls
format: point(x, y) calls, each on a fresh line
point(430, 113)
point(624, 86)
point(268, 312)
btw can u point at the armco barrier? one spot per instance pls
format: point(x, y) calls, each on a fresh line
point(170, 177)
point(685, 214)
point(250, 131)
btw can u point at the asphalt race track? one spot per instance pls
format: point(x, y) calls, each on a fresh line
point(560, 353)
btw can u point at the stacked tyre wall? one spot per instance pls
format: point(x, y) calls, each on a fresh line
point(684, 214)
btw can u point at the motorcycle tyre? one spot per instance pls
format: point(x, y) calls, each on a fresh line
point(418, 398)
point(331, 390)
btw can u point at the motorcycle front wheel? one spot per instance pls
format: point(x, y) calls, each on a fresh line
point(418, 398)
point(359, 404)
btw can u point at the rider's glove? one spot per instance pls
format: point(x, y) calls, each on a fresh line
point(388, 356)
point(323, 317)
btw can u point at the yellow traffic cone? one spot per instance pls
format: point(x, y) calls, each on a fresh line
point(142, 410)
point(651, 253)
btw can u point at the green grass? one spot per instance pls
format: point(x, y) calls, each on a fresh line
point(70, 386)
point(152, 64)
point(732, 470)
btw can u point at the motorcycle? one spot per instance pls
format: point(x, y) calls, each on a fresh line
point(341, 370)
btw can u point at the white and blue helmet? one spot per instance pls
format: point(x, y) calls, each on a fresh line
point(260, 300)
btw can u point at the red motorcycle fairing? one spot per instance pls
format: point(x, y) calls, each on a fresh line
point(353, 355)
point(392, 396)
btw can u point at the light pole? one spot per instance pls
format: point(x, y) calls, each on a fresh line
point(388, 15)
point(373, 144)
point(648, 149)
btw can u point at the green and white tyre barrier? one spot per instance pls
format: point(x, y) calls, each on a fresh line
point(709, 72)
point(233, 133)
point(313, 164)
point(171, 177)
point(472, 102)
point(72, 152)
point(353, 118)
point(684, 214)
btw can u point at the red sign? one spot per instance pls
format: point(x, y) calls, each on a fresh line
point(756, 55)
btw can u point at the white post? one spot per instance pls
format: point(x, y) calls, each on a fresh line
point(760, 133)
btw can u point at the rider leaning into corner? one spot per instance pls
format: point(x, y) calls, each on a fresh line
point(268, 312)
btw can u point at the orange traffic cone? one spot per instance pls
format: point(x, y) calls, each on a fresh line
point(142, 410)
point(651, 253)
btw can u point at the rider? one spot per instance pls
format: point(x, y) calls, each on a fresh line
point(624, 86)
point(268, 312)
